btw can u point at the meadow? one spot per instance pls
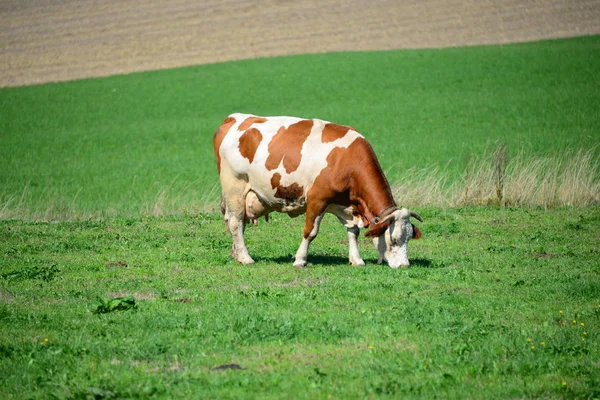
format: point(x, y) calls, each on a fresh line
point(115, 275)
point(143, 142)
point(498, 303)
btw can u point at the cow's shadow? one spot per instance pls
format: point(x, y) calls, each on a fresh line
point(324, 260)
point(421, 262)
point(314, 260)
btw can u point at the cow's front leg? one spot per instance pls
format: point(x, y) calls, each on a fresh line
point(353, 253)
point(347, 219)
point(311, 229)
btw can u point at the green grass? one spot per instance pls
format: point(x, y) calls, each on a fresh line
point(138, 143)
point(110, 301)
point(498, 303)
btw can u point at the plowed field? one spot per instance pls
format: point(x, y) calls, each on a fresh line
point(44, 41)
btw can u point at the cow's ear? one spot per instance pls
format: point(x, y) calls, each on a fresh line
point(416, 232)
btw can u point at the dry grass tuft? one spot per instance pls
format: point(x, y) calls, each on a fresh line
point(567, 179)
point(422, 187)
point(50, 206)
point(172, 200)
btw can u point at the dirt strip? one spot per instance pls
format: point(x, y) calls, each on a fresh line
point(56, 40)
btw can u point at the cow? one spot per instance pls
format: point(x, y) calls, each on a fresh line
point(308, 166)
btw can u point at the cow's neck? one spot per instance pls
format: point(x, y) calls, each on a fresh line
point(371, 192)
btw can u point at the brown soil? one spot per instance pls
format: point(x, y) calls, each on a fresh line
point(53, 40)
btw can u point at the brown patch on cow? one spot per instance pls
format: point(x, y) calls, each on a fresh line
point(353, 177)
point(286, 146)
point(249, 121)
point(249, 142)
point(333, 132)
point(275, 179)
point(292, 192)
point(219, 136)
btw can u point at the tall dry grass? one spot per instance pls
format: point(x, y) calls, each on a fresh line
point(495, 178)
point(157, 200)
point(49, 206)
point(568, 179)
point(174, 199)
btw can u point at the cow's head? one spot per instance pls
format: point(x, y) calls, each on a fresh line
point(391, 236)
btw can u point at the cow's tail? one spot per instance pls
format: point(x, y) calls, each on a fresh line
point(224, 210)
point(223, 205)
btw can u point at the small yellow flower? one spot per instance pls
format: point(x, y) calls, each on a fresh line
point(46, 340)
point(564, 383)
point(532, 347)
point(584, 332)
point(560, 311)
point(583, 339)
point(528, 340)
point(582, 324)
point(543, 343)
point(370, 347)
point(564, 323)
point(574, 321)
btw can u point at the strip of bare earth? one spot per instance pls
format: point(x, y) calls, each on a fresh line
point(44, 41)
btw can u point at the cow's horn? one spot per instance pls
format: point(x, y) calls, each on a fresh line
point(415, 215)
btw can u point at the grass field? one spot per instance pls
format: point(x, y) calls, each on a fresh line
point(128, 144)
point(115, 275)
point(498, 303)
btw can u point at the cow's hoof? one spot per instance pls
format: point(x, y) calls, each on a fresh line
point(246, 260)
point(300, 264)
point(357, 263)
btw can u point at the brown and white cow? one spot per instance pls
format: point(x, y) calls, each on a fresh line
point(296, 166)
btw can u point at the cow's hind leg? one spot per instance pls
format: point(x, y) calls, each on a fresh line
point(314, 215)
point(237, 225)
point(234, 193)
